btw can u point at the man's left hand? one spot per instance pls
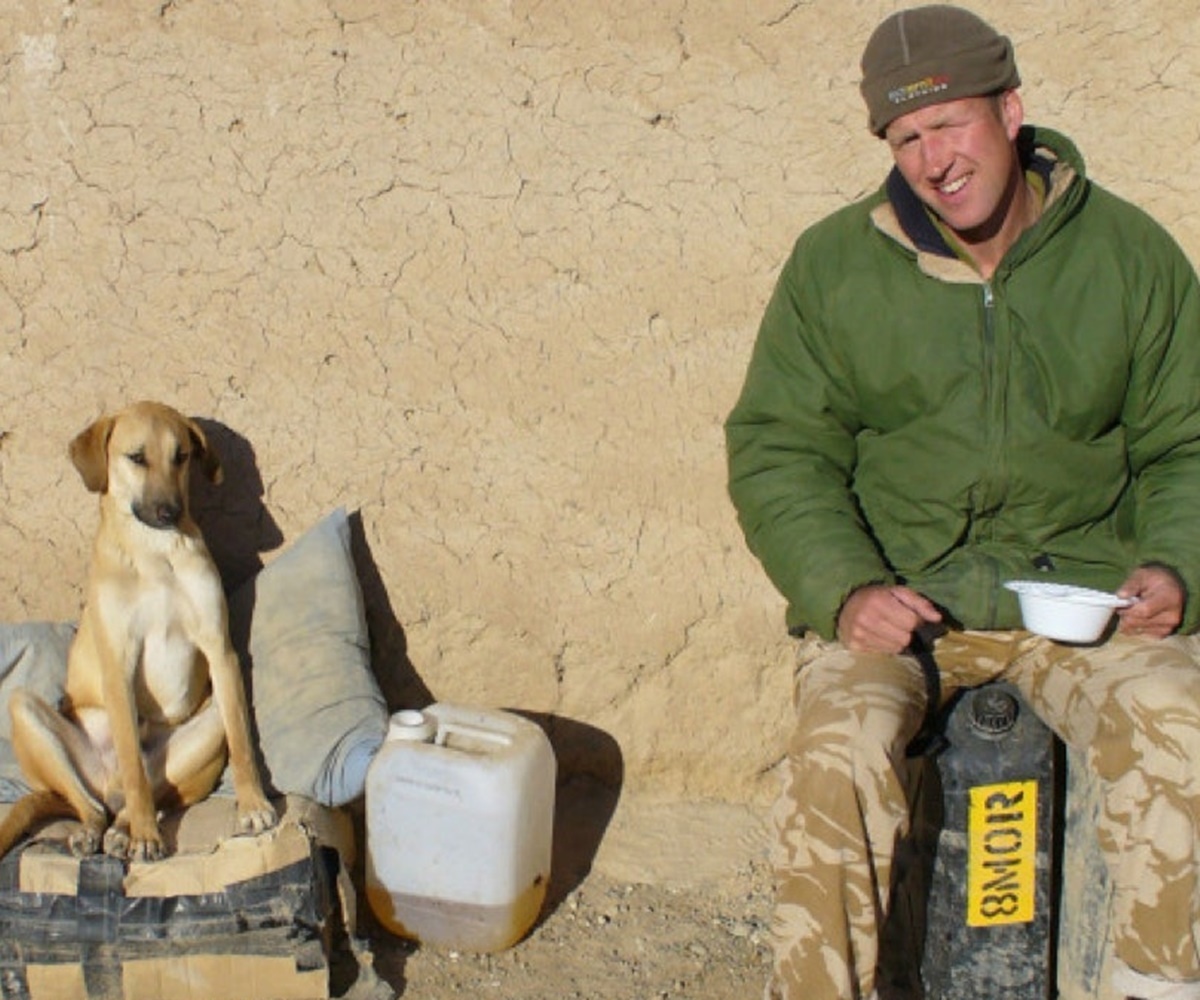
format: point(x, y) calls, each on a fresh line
point(1158, 609)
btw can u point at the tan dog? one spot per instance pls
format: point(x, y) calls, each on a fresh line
point(154, 696)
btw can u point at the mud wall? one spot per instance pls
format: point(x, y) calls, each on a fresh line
point(487, 274)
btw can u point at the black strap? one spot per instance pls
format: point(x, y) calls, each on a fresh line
point(929, 741)
point(99, 890)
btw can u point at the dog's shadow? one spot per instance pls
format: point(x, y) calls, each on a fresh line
point(232, 515)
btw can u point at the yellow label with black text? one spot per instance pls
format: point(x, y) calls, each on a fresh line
point(1001, 853)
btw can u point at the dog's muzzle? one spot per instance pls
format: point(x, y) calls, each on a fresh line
point(161, 515)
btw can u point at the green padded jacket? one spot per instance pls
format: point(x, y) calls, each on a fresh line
point(903, 420)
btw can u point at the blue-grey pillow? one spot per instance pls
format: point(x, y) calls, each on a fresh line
point(301, 626)
point(33, 655)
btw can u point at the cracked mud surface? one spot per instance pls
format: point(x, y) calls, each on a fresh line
point(488, 273)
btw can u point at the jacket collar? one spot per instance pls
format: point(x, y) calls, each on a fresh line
point(904, 217)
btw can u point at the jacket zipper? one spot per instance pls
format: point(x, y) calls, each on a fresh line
point(989, 338)
point(989, 375)
point(994, 428)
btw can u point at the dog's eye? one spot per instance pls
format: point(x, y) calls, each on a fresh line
point(137, 457)
point(181, 457)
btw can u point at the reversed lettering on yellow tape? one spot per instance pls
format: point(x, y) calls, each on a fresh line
point(1001, 853)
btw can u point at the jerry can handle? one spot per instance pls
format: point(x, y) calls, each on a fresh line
point(477, 732)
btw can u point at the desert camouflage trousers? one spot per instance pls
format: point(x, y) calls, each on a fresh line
point(1131, 707)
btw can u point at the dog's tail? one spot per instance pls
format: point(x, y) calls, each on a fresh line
point(29, 810)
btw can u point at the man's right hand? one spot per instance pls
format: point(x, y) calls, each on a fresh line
point(882, 619)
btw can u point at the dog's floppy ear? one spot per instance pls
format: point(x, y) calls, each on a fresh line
point(210, 461)
point(89, 452)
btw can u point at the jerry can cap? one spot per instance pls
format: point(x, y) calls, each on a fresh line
point(412, 725)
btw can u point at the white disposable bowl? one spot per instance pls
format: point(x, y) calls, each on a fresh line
point(1060, 611)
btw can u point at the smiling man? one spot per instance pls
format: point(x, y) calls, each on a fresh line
point(987, 370)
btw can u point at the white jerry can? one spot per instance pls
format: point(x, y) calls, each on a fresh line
point(460, 819)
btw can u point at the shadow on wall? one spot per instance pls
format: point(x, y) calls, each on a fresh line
point(236, 524)
point(591, 772)
point(398, 679)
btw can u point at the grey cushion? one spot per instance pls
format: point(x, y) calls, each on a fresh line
point(319, 712)
point(33, 655)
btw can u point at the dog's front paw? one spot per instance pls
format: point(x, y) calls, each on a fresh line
point(256, 816)
point(119, 842)
point(86, 841)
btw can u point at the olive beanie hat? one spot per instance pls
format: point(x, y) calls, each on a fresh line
point(927, 55)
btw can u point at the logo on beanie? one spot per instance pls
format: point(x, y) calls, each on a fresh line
point(921, 88)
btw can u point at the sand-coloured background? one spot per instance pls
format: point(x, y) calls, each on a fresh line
point(486, 273)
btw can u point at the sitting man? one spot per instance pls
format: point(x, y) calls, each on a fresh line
point(987, 370)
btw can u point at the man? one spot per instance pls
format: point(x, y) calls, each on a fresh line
point(988, 370)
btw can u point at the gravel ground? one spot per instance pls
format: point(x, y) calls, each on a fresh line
point(609, 940)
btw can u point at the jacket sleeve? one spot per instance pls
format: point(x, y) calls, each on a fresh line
point(1162, 423)
point(791, 451)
